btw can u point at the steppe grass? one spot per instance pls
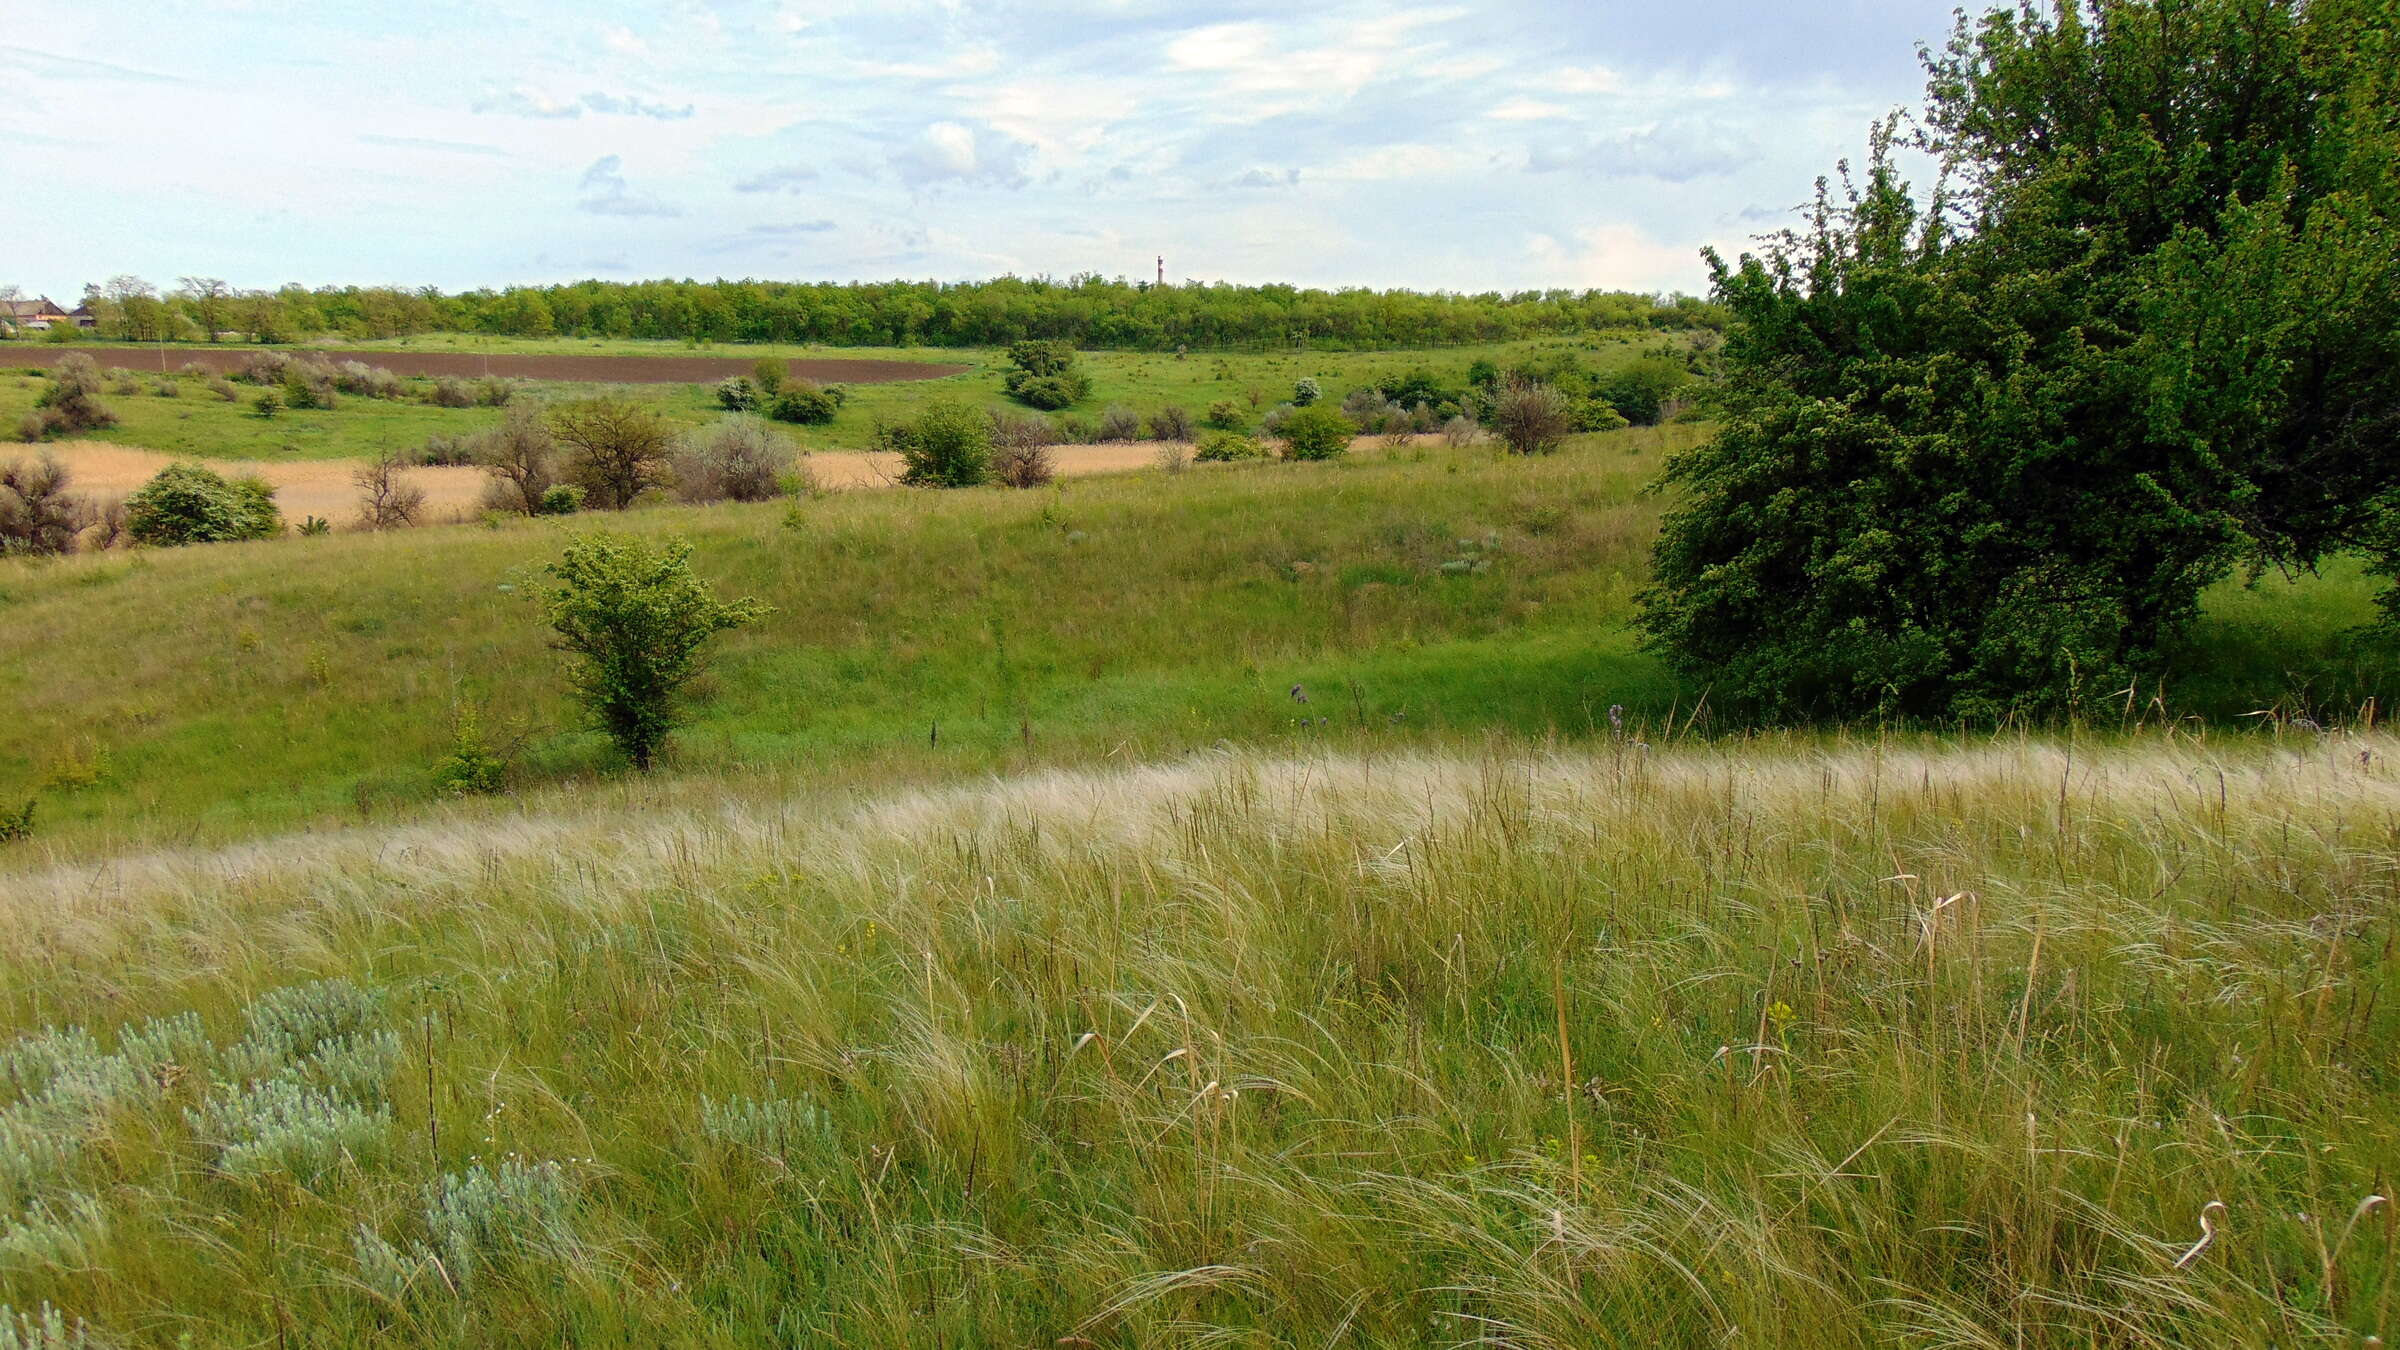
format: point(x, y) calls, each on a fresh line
point(1789, 1041)
point(226, 689)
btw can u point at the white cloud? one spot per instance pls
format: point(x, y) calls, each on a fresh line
point(1585, 80)
point(1615, 257)
point(523, 102)
point(792, 178)
point(954, 152)
point(620, 39)
point(604, 192)
point(1526, 110)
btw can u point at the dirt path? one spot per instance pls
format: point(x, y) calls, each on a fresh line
point(324, 487)
point(475, 365)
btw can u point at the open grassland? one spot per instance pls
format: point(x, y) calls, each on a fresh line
point(215, 692)
point(232, 687)
point(197, 423)
point(1780, 1042)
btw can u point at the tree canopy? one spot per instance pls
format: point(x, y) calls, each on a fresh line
point(1984, 448)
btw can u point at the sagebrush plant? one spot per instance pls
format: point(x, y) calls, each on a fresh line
point(632, 617)
point(1796, 1040)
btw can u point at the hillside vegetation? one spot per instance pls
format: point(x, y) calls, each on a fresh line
point(1786, 1043)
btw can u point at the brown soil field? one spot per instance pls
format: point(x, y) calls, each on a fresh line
point(519, 366)
point(324, 487)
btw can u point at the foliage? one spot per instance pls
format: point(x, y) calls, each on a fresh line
point(1021, 455)
point(615, 449)
point(267, 404)
point(38, 515)
point(70, 403)
point(470, 769)
point(769, 374)
point(1306, 392)
point(734, 459)
point(1315, 432)
point(1222, 415)
point(807, 403)
point(520, 457)
point(1045, 375)
point(446, 393)
point(1226, 447)
point(193, 504)
point(1639, 390)
point(561, 499)
point(736, 394)
point(1118, 423)
point(1531, 418)
point(632, 618)
point(1982, 454)
point(949, 445)
point(16, 823)
point(1171, 423)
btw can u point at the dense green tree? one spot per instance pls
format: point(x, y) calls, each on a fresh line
point(193, 504)
point(1318, 431)
point(1043, 375)
point(949, 445)
point(632, 618)
point(1984, 451)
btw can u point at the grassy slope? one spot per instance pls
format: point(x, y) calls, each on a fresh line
point(198, 423)
point(231, 688)
point(1789, 1044)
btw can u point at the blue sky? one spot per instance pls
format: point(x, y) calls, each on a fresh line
point(1509, 144)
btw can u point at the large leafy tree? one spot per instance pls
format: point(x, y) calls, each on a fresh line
point(1983, 451)
point(632, 619)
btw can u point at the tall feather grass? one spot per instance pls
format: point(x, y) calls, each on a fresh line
point(1786, 1042)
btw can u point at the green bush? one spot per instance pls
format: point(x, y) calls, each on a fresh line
point(632, 618)
point(1224, 416)
point(769, 375)
point(1315, 432)
point(1306, 392)
point(1045, 375)
point(735, 394)
point(560, 499)
point(1227, 447)
point(804, 403)
point(948, 446)
point(471, 769)
point(192, 504)
point(16, 825)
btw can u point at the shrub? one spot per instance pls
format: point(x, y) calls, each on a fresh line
point(37, 513)
point(267, 404)
point(1306, 391)
point(1531, 418)
point(1461, 431)
point(450, 393)
point(223, 388)
point(357, 377)
point(737, 459)
point(1272, 423)
point(769, 374)
point(444, 452)
point(1021, 455)
point(1174, 457)
point(615, 449)
point(1227, 447)
point(1071, 429)
point(948, 446)
point(563, 499)
point(386, 499)
point(804, 403)
point(632, 619)
point(71, 403)
point(315, 527)
point(1223, 416)
point(1316, 432)
point(192, 504)
point(122, 383)
point(1366, 407)
point(1045, 375)
point(263, 368)
point(167, 389)
point(520, 456)
point(309, 384)
point(470, 769)
point(1639, 393)
point(16, 825)
point(1119, 424)
point(494, 392)
point(30, 427)
point(1172, 423)
point(735, 394)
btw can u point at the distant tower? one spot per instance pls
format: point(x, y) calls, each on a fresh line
point(1162, 269)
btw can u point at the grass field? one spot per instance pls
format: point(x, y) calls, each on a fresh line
point(197, 423)
point(1785, 1042)
point(1008, 955)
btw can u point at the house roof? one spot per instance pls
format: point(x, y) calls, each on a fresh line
point(31, 309)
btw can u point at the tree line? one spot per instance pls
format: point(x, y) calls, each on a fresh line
point(1085, 311)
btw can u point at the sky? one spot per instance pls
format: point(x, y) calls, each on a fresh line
point(1497, 145)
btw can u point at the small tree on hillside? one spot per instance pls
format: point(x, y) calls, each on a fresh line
point(387, 499)
point(1531, 418)
point(616, 449)
point(521, 458)
point(192, 504)
point(37, 513)
point(769, 374)
point(632, 619)
point(1045, 375)
point(71, 402)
